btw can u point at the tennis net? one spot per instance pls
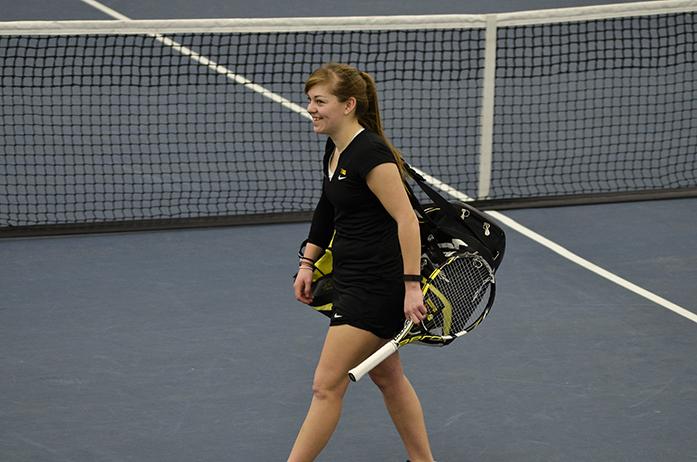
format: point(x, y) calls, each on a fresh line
point(137, 124)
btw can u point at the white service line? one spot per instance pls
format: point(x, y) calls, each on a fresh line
point(106, 10)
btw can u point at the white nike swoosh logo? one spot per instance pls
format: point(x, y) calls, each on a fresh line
point(341, 177)
point(337, 316)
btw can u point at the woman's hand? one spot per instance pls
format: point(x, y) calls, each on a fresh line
point(414, 309)
point(303, 285)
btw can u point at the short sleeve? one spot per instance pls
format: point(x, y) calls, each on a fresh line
point(378, 154)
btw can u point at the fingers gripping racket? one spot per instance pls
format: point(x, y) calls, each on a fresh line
point(458, 295)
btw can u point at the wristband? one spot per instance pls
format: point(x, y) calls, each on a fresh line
point(412, 278)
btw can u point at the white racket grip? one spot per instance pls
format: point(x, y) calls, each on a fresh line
point(373, 360)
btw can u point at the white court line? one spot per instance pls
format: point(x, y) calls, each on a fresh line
point(514, 225)
point(553, 246)
point(106, 10)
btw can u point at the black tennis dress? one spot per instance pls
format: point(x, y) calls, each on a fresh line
point(367, 258)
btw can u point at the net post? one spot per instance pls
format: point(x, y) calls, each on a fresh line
point(487, 114)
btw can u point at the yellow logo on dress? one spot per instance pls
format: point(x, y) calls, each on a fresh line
point(342, 171)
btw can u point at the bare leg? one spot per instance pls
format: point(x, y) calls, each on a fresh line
point(404, 407)
point(344, 347)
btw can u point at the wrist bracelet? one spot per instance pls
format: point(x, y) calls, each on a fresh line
point(412, 278)
point(305, 267)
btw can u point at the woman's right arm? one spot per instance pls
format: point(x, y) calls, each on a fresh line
point(320, 235)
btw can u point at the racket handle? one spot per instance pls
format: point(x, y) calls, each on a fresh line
point(373, 360)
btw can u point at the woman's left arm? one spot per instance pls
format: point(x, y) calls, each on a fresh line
point(386, 183)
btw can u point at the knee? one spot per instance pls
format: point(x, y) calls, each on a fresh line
point(387, 376)
point(326, 386)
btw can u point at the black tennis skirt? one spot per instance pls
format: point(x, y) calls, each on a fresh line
point(375, 305)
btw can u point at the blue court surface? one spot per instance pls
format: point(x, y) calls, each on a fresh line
point(188, 345)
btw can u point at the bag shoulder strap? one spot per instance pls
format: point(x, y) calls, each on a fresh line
point(437, 199)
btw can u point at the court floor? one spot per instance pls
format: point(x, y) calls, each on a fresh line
point(188, 345)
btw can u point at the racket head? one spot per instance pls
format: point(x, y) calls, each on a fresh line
point(458, 294)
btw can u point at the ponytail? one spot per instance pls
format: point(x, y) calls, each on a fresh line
point(369, 118)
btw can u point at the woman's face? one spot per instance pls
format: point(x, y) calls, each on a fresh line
point(328, 113)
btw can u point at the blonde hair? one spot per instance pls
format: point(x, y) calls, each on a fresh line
point(346, 81)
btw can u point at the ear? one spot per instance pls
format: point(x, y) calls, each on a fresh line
point(350, 105)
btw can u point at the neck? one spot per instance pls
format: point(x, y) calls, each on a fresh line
point(345, 135)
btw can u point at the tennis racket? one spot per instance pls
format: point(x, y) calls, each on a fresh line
point(458, 294)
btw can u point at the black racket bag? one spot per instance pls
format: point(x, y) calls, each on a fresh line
point(455, 226)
